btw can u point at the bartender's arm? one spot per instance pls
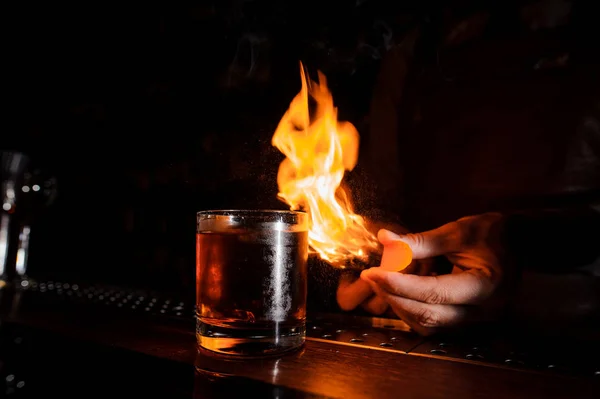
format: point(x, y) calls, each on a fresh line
point(487, 252)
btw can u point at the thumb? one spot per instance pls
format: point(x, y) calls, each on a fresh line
point(424, 245)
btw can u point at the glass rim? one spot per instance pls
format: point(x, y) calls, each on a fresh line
point(225, 219)
point(231, 212)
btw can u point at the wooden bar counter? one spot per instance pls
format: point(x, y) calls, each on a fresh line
point(84, 349)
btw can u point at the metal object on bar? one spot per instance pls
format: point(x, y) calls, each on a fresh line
point(13, 165)
point(493, 349)
point(26, 190)
point(251, 281)
point(371, 332)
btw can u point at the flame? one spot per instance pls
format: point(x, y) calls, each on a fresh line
point(318, 151)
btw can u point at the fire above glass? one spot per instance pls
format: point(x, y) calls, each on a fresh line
point(319, 149)
point(251, 281)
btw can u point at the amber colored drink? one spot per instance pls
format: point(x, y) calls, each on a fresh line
point(251, 282)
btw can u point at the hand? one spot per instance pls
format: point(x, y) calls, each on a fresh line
point(353, 291)
point(429, 303)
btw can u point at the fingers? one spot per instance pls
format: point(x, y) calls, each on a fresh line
point(428, 244)
point(470, 287)
point(425, 319)
point(375, 305)
point(350, 294)
point(422, 267)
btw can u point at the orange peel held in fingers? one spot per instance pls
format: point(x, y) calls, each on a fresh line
point(396, 257)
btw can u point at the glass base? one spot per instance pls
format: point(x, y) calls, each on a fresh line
point(245, 339)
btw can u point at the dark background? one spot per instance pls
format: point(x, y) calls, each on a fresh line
point(146, 114)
